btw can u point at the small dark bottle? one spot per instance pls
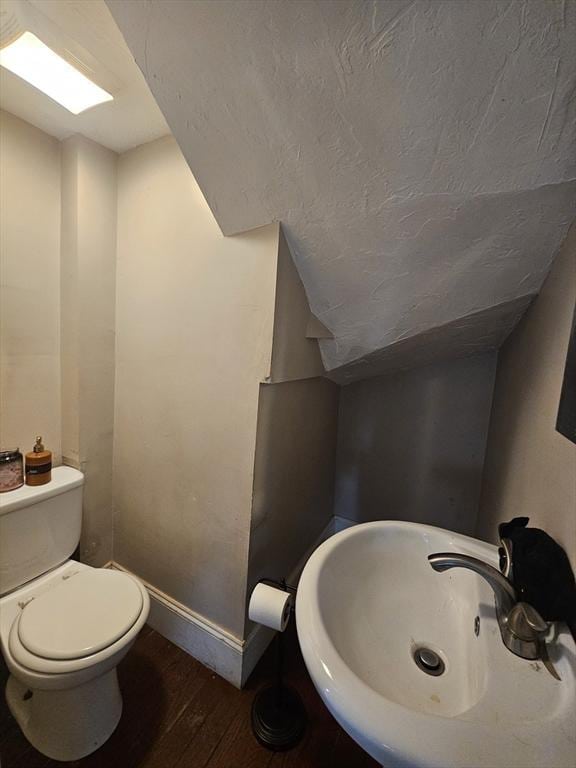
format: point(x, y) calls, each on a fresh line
point(38, 465)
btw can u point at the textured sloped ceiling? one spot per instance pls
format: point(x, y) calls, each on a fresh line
point(420, 155)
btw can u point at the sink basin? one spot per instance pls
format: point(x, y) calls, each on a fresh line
point(368, 600)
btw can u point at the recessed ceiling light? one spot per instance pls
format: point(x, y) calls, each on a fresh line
point(33, 61)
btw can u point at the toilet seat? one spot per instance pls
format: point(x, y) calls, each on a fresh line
point(38, 638)
point(87, 613)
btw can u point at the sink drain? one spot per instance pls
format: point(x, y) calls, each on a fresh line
point(429, 661)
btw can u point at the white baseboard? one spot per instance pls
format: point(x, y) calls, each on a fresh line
point(201, 638)
point(230, 657)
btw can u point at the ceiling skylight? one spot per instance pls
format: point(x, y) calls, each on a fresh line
point(33, 61)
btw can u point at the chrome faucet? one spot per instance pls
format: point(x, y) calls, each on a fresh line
point(521, 626)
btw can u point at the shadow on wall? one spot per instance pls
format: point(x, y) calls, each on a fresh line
point(411, 446)
point(293, 473)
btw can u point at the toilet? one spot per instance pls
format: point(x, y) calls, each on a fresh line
point(64, 626)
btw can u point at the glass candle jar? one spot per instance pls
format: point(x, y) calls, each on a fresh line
point(11, 470)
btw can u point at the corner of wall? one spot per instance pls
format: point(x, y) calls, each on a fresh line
point(88, 265)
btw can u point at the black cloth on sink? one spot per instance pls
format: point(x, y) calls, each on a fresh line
point(541, 572)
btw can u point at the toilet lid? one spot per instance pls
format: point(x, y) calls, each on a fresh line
point(86, 613)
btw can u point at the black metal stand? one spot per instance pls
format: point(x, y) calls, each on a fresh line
point(278, 714)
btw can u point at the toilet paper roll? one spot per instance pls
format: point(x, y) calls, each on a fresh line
point(270, 606)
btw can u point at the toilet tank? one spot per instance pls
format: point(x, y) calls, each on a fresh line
point(39, 527)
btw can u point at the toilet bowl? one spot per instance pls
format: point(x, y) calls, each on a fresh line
point(62, 636)
point(65, 628)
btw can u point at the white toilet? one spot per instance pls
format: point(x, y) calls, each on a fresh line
point(64, 626)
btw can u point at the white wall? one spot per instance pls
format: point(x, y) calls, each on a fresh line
point(194, 319)
point(58, 224)
point(530, 467)
point(88, 279)
point(30, 286)
point(411, 445)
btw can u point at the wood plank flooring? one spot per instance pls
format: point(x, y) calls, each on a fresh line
point(178, 714)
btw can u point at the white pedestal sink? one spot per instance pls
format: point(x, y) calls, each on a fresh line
point(368, 599)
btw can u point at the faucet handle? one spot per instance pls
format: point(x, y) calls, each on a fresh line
point(525, 622)
point(526, 619)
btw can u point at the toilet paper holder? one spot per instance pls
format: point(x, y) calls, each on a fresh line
point(278, 716)
point(271, 603)
point(280, 583)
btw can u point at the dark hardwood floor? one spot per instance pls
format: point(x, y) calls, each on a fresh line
point(178, 714)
